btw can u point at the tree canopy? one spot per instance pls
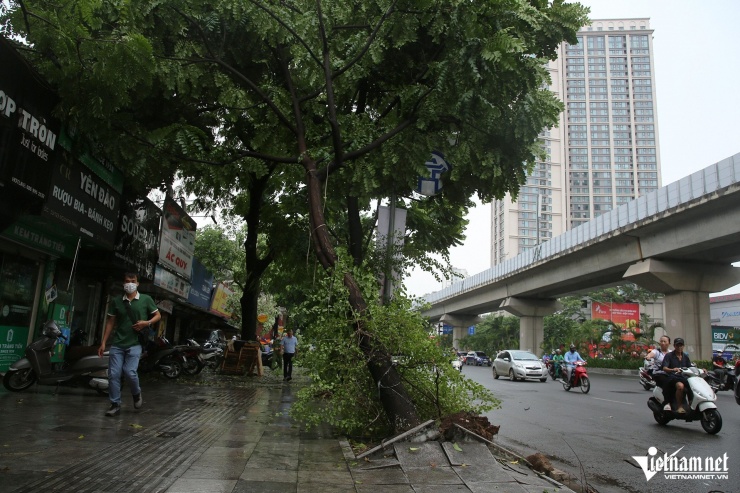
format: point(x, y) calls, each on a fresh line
point(336, 103)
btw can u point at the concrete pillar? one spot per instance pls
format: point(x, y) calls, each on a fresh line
point(687, 316)
point(460, 324)
point(531, 324)
point(686, 287)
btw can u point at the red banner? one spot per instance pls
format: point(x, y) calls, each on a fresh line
point(623, 315)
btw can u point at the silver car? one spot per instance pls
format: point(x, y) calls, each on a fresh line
point(519, 365)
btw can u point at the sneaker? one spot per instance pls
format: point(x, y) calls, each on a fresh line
point(681, 410)
point(667, 407)
point(138, 401)
point(115, 410)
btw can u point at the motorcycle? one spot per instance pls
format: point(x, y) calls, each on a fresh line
point(552, 367)
point(737, 382)
point(81, 364)
point(730, 380)
point(578, 378)
point(698, 396)
point(198, 357)
point(160, 355)
point(646, 377)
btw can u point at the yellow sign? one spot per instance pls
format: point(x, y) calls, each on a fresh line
point(218, 306)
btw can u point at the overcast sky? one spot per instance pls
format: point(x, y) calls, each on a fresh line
point(697, 78)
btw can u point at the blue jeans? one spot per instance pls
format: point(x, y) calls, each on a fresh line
point(123, 361)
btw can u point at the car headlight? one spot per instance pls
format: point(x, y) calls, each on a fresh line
point(518, 365)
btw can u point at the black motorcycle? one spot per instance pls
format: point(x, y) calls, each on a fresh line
point(729, 383)
point(160, 355)
point(81, 365)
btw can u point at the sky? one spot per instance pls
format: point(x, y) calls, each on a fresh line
point(697, 109)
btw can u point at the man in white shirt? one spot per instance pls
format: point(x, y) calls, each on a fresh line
point(288, 345)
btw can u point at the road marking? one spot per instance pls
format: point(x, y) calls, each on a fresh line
point(618, 402)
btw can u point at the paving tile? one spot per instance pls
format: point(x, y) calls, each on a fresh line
point(267, 475)
point(387, 488)
point(442, 488)
point(189, 485)
point(325, 477)
point(381, 476)
point(243, 486)
point(432, 475)
point(238, 453)
point(420, 454)
point(216, 471)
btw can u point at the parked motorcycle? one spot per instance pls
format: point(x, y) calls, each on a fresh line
point(645, 376)
point(81, 365)
point(578, 378)
point(737, 382)
point(198, 357)
point(160, 355)
point(698, 397)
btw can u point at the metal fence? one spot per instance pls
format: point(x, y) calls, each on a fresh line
point(698, 186)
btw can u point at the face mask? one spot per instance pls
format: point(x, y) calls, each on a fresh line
point(129, 287)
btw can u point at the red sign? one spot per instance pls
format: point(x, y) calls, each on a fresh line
point(623, 315)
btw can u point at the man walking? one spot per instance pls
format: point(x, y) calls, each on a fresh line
point(288, 345)
point(127, 316)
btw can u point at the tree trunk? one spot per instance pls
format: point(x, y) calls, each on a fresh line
point(399, 409)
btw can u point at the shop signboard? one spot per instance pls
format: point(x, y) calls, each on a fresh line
point(170, 282)
point(723, 335)
point(12, 344)
point(26, 232)
point(200, 286)
point(28, 133)
point(137, 236)
point(177, 240)
point(220, 297)
point(81, 201)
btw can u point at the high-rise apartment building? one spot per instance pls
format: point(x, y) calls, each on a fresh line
point(605, 150)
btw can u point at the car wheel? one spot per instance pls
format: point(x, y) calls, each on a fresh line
point(543, 380)
point(495, 373)
point(512, 377)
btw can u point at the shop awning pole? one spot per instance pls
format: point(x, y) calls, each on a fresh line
point(74, 264)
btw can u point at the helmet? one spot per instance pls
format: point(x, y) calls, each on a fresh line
point(678, 342)
point(557, 351)
point(572, 347)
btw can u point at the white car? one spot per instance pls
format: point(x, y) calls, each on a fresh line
point(519, 365)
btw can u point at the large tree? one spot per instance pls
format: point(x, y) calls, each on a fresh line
point(350, 96)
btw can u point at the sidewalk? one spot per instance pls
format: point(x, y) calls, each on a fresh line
point(191, 436)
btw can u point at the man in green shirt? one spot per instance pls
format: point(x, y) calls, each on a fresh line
point(127, 316)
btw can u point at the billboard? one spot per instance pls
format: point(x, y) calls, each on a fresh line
point(623, 315)
point(177, 241)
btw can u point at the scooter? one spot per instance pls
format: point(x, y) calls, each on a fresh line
point(717, 385)
point(578, 378)
point(552, 368)
point(646, 378)
point(160, 355)
point(82, 364)
point(698, 397)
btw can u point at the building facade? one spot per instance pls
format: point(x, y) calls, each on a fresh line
point(604, 152)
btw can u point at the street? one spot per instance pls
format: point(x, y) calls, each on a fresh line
point(596, 434)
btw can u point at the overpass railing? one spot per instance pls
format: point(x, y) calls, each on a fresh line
point(694, 187)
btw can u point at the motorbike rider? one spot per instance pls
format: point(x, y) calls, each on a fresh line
point(570, 358)
point(672, 364)
point(655, 357)
point(557, 361)
point(720, 369)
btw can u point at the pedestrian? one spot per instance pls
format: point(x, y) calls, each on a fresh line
point(288, 346)
point(128, 315)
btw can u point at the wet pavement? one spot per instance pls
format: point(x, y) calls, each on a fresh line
point(196, 436)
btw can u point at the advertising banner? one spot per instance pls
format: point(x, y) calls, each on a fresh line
point(82, 202)
point(200, 286)
point(723, 335)
point(220, 295)
point(137, 236)
point(170, 282)
point(623, 315)
point(177, 240)
point(28, 133)
point(12, 344)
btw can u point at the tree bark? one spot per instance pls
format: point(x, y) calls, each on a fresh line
point(397, 404)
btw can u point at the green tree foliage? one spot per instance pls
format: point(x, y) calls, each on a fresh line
point(348, 396)
point(493, 334)
point(349, 98)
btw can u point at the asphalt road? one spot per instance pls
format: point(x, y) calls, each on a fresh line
point(595, 435)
